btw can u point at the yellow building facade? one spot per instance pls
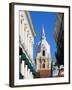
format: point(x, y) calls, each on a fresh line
point(43, 57)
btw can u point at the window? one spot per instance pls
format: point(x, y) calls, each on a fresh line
point(43, 53)
point(43, 65)
point(20, 51)
point(21, 21)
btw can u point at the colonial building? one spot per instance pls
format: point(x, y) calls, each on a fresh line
point(43, 57)
point(26, 41)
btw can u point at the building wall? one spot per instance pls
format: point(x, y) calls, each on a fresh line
point(59, 38)
point(26, 41)
point(26, 37)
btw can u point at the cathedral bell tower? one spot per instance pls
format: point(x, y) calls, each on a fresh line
point(43, 57)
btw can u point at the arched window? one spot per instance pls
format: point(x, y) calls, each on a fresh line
point(43, 53)
point(44, 65)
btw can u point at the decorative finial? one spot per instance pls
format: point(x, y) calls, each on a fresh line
point(43, 33)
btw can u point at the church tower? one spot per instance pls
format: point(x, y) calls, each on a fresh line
point(43, 57)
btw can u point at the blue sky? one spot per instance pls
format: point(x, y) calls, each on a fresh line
point(47, 19)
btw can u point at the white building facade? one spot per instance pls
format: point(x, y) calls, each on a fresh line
point(26, 41)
